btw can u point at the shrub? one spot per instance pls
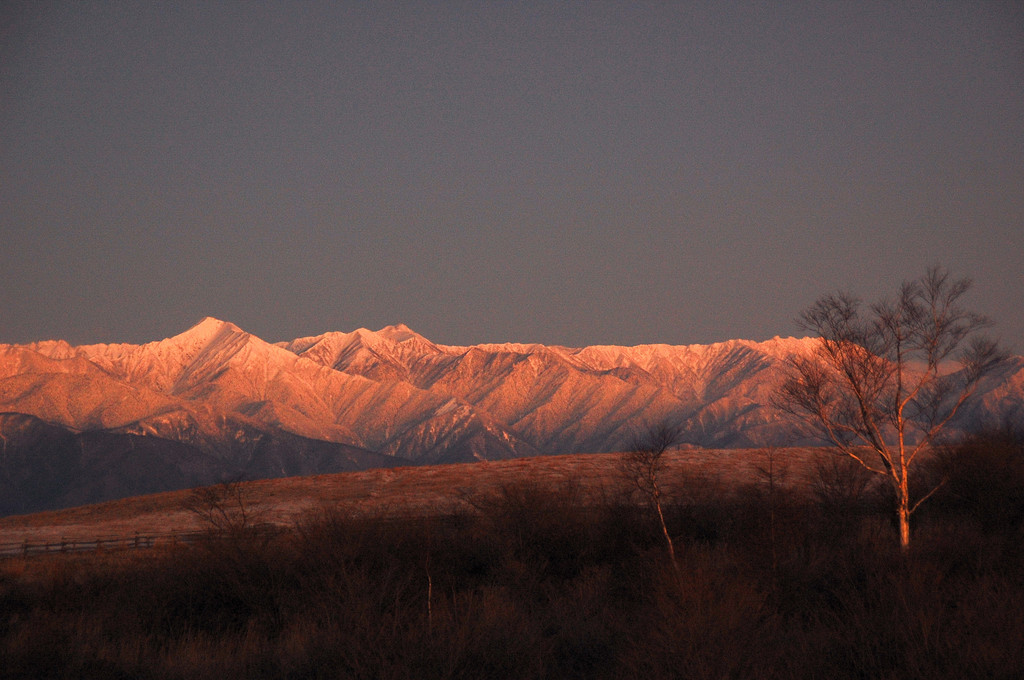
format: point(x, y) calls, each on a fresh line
point(982, 479)
point(532, 581)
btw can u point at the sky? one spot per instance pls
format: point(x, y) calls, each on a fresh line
point(569, 173)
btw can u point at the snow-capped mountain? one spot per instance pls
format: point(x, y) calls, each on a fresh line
point(217, 402)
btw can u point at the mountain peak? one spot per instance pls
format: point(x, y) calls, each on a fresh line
point(399, 333)
point(213, 323)
point(207, 329)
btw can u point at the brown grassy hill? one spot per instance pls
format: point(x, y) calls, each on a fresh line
point(418, 491)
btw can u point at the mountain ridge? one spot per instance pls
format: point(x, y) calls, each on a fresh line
point(393, 396)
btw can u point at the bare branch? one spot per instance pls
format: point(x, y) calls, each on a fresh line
point(882, 377)
point(642, 467)
point(223, 507)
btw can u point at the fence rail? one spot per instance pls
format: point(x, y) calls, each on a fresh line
point(71, 545)
point(139, 541)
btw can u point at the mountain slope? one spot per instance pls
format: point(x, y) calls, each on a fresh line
point(228, 403)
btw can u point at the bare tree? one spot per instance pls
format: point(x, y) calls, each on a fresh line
point(886, 379)
point(225, 507)
point(642, 466)
point(772, 471)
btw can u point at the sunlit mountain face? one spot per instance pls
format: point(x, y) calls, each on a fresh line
point(93, 422)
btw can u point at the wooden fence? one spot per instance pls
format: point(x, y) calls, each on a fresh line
point(27, 547)
point(140, 541)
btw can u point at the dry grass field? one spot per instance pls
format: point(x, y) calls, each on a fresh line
point(538, 568)
point(406, 491)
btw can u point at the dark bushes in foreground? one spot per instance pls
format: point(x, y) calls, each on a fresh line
point(532, 583)
point(982, 479)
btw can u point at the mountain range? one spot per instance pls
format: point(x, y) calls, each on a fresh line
point(86, 423)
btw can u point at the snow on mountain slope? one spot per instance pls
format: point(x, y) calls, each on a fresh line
point(563, 399)
point(211, 380)
point(1000, 397)
point(362, 351)
point(80, 401)
point(45, 357)
point(218, 364)
point(459, 433)
point(696, 371)
point(242, 401)
point(386, 354)
point(177, 364)
point(589, 399)
point(546, 398)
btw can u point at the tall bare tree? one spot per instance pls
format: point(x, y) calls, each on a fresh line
point(642, 467)
point(887, 378)
point(772, 471)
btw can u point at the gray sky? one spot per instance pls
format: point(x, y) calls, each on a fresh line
point(566, 173)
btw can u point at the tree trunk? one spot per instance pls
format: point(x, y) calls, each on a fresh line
point(903, 493)
point(668, 537)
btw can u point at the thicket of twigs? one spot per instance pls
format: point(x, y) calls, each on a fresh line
point(530, 582)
